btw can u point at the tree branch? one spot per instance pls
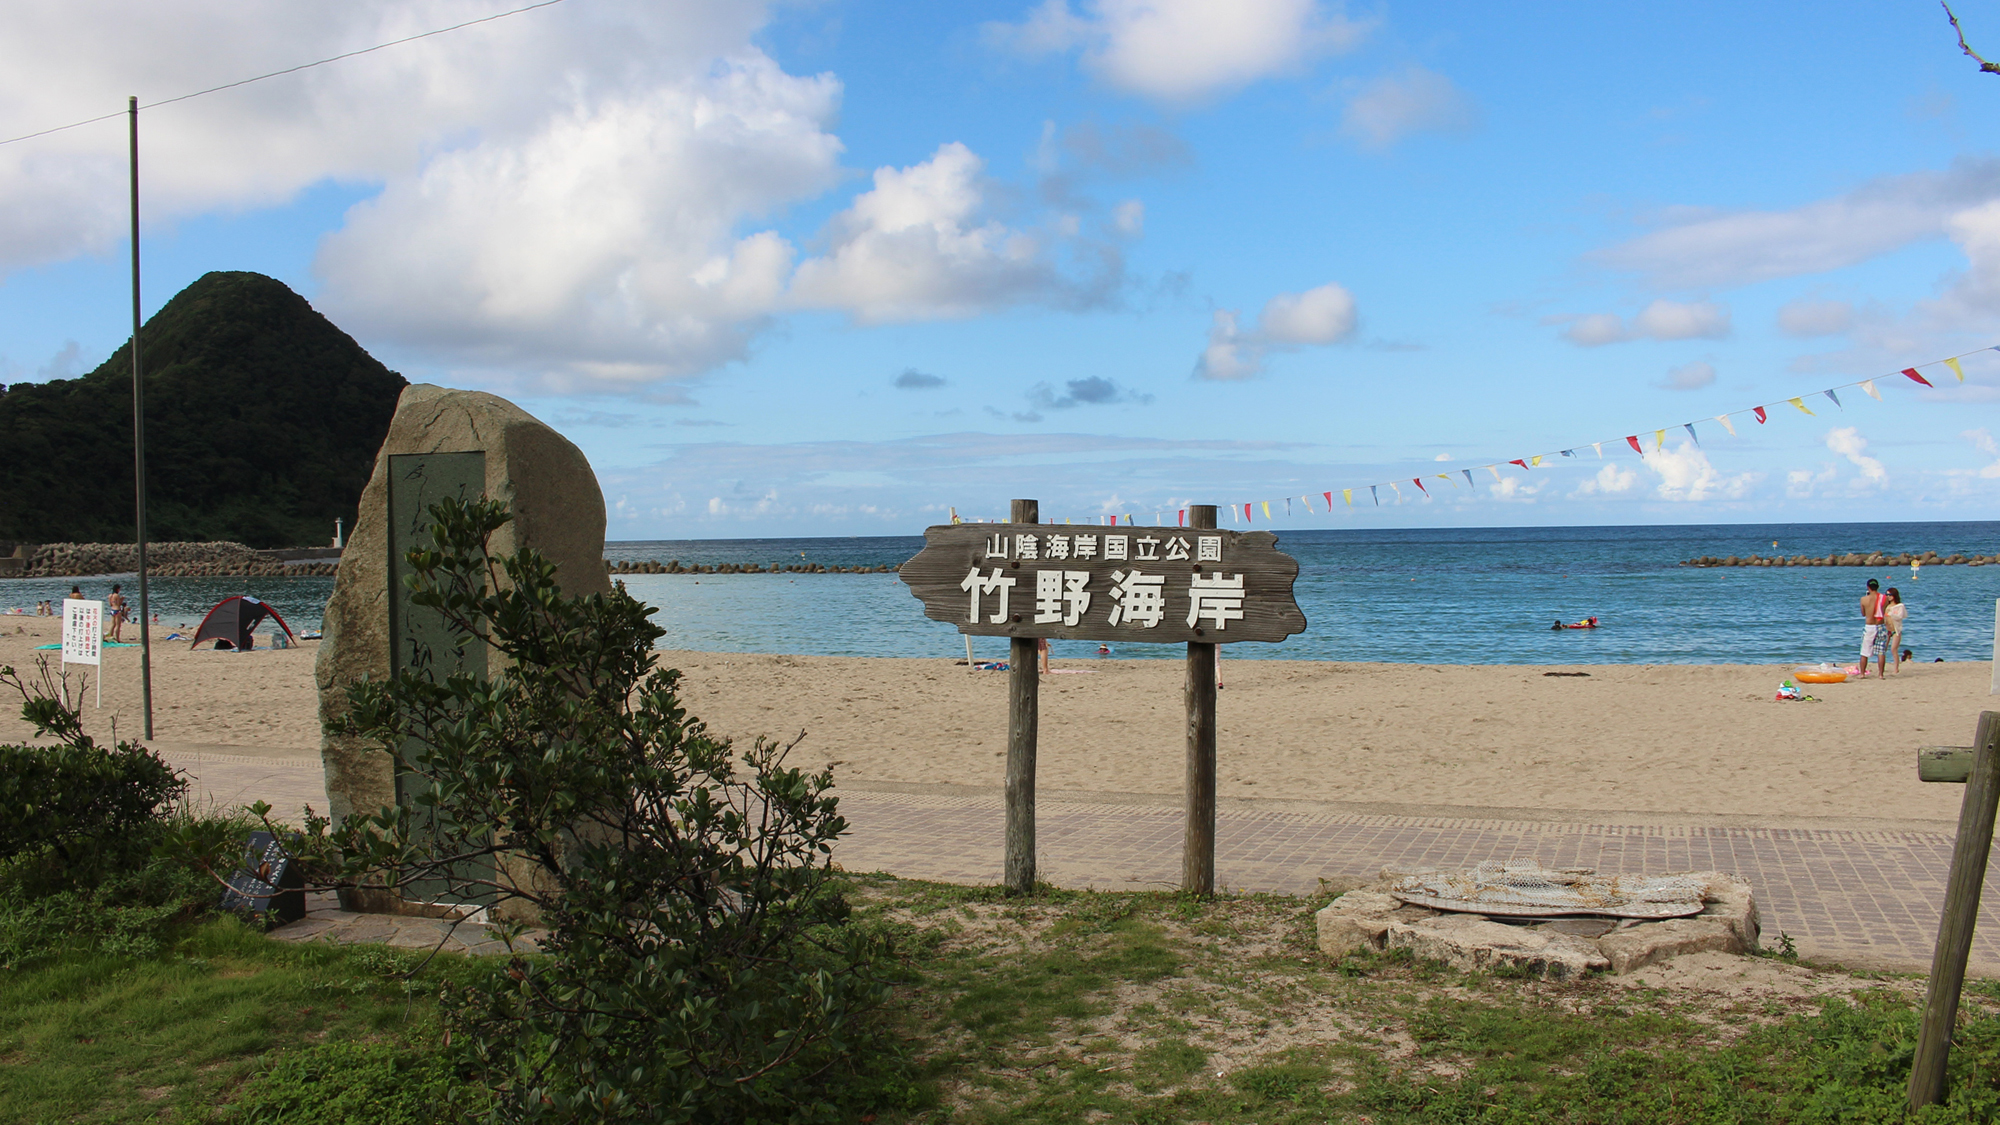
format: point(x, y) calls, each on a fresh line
point(1984, 66)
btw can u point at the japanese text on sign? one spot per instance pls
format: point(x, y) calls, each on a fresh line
point(83, 631)
point(1157, 584)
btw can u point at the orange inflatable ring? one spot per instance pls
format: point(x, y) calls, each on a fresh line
point(1817, 677)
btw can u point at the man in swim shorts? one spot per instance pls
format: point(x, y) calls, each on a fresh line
point(1872, 636)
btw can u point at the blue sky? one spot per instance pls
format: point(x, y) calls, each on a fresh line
point(837, 268)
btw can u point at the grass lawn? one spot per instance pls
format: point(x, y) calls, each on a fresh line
point(1068, 1007)
point(1080, 1007)
point(96, 1037)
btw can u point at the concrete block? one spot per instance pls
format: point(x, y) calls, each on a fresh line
point(1637, 946)
point(1355, 922)
point(1469, 941)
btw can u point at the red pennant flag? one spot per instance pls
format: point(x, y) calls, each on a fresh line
point(1182, 518)
point(1420, 486)
point(1246, 513)
point(1329, 501)
point(1759, 412)
point(1518, 461)
point(1633, 441)
point(1912, 373)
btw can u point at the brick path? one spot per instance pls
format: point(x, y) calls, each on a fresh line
point(1867, 895)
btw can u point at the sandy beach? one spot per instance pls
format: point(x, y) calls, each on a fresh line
point(1680, 740)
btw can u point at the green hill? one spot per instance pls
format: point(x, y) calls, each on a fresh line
point(262, 422)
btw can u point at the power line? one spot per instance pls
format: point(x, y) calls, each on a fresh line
point(287, 70)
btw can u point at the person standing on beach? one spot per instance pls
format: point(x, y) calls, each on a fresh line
point(1872, 604)
point(120, 612)
point(1892, 622)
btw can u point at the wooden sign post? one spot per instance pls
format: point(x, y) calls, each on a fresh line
point(1979, 767)
point(1026, 580)
point(1198, 834)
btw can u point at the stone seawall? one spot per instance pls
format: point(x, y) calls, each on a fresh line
point(1852, 558)
point(164, 560)
point(193, 560)
point(674, 566)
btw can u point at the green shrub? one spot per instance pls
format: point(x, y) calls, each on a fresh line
point(700, 964)
point(79, 799)
point(76, 809)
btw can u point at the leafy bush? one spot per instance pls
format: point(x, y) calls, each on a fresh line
point(700, 964)
point(76, 804)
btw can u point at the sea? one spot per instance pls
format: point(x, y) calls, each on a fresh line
point(1437, 596)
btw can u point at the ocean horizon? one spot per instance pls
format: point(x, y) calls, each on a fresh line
point(1426, 596)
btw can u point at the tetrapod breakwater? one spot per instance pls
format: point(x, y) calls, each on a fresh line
point(1852, 558)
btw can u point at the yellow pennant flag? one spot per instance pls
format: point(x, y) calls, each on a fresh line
point(1659, 439)
point(1868, 388)
point(1267, 508)
point(1536, 459)
point(1446, 477)
point(1800, 403)
point(1956, 369)
point(1724, 419)
point(1347, 494)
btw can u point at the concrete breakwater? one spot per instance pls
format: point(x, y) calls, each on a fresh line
point(166, 560)
point(196, 560)
point(1852, 558)
point(673, 566)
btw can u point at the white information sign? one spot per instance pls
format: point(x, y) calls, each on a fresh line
point(83, 632)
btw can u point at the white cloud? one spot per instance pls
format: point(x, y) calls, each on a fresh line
point(1808, 317)
point(1747, 246)
point(1982, 440)
point(1184, 50)
point(372, 118)
point(1317, 316)
point(1660, 320)
point(1690, 376)
point(1595, 330)
point(916, 247)
point(1130, 218)
point(1801, 483)
point(1848, 442)
point(600, 246)
point(1324, 315)
point(1442, 457)
point(1394, 106)
point(1609, 480)
point(1686, 475)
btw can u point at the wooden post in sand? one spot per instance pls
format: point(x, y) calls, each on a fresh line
point(1198, 841)
point(1961, 910)
point(1023, 717)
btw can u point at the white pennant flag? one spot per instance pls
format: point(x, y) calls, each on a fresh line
point(1724, 419)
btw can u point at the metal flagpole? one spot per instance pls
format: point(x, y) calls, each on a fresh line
point(139, 447)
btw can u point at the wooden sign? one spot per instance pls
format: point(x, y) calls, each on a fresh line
point(1153, 584)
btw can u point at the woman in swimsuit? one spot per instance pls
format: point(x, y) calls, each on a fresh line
point(120, 613)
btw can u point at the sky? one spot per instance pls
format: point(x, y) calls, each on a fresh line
point(845, 268)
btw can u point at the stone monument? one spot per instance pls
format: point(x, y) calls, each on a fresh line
point(441, 443)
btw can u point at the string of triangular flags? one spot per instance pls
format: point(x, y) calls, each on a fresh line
point(1246, 512)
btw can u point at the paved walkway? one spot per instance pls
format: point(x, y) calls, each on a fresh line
point(1867, 894)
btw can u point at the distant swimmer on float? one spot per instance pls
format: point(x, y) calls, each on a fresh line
point(1586, 623)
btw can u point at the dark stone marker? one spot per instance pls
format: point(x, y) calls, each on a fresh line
point(267, 883)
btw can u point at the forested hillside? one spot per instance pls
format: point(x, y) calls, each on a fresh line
point(262, 422)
